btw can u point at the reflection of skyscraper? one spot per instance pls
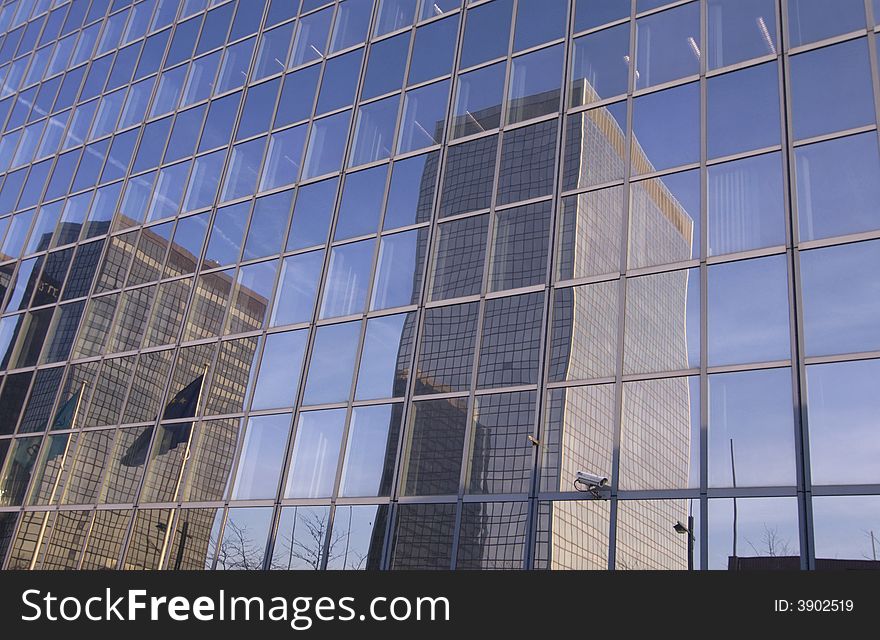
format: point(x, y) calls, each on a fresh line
point(660, 230)
point(124, 452)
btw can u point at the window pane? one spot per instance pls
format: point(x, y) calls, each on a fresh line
point(811, 20)
point(300, 539)
point(203, 183)
point(14, 481)
point(434, 448)
point(843, 407)
point(361, 206)
point(668, 45)
point(535, 84)
point(385, 67)
point(243, 169)
point(326, 145)
point(743, 111)
point(339, 82)
point(348, 278)
point(662, 322)
point(819, 78)
point(244, 539)
point(411, 195)
point(315, 454)
point(424, 117)
point(511, 341)
point(384, 370)
point(268, 224)
point(312, 214)
point(666, 128)
point(539, 21)
point(493, 536)
point(660, 435)
point(470, 172)
point(459, 258)
point(844, 531)
point(262, 457)
point(361, 531)
point(520, 243)
point(753, 533)
point(740, 30)
point(434, 49)
point(234, 69)
point(583, 335)
point(841, 305)
point(590, 231)
point(227, 234)
point(311, 37)
point(594, 142)
point(279, 370)
point(478, 101)
point(272, 53)
point(259, 105)
point(501, 453)
point(295, 297)
point(486, 33)
point(446, 353)
point(332, 363)
point(374, 131)
point(600, 69)
point(748, 311)
point(352, 23)
point(583, 543)
point(665, 220)
point(423, 537)
point(297, 96)
point(746, 210)
point(645, 538)
point(284, 158)
point(528, 163)
point(838, 186)
point(593, 13)
point(394, 14)
point(751, 429)
point(399, 271)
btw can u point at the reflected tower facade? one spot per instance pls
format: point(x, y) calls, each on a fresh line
point(362, 284)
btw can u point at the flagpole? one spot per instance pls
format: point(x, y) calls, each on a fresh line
point(45, 523)
point(186, 455)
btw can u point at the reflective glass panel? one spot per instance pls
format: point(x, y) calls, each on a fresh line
point(315, 454)
point(748, 311)
point(841, 305)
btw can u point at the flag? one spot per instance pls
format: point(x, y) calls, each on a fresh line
point(66, 414)
point(136, 454)
point(182, 405)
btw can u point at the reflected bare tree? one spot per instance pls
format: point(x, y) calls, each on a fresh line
point(303, 546)
point(239, 551)
point(771, 545)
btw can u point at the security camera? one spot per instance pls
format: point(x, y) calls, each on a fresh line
point(591, 479)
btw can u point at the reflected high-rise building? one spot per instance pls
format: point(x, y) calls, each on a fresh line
point(349, 284)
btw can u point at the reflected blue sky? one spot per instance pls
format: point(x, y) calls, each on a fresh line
point(843, 526)
point(753, 409)
point(748, 311)
point(841, 298)
point(844, 422)
point(762, 524)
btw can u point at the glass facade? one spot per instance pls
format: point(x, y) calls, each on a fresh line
point(363, 284)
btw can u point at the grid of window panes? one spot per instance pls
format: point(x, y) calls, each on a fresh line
point(363, 284)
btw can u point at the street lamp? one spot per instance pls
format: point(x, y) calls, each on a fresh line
point(689, 530)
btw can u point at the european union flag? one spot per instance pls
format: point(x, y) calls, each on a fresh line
point(182, 405)
point(67, 412)
point(136, 454)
